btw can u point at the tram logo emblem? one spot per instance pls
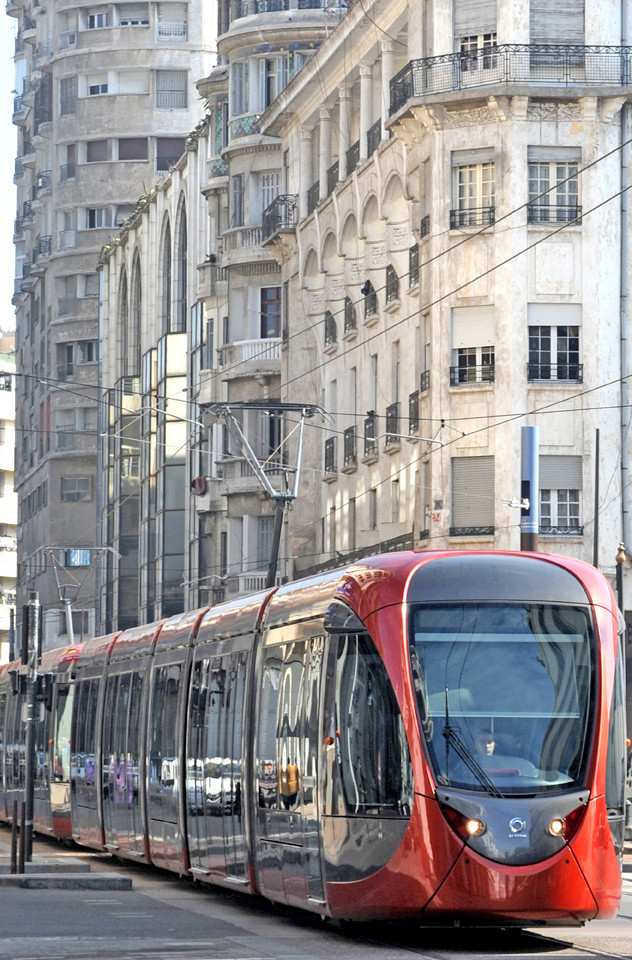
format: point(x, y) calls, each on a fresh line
point(518, 826)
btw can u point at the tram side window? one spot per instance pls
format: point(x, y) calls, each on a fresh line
point(615, 769)
point(280, 720)
point(3, 705)
point(62, 735)
point(373, 754)
point(164, 712)
point(82, 753)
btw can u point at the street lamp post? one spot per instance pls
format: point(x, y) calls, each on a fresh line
point(620, 560)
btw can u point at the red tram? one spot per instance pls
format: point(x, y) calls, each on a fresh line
point(432, 736)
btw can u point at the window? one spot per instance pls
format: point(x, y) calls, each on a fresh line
point(75, 557)
point(560, 489)
point(270, 312)
point(87, 351)
point(97, 217)
point(237, 200)
point(477, 52)
point(238, 98)
point(265, 530)
point(473, 335)
point(550, 22)
point(97, 20)
point(271, 77)
point(392, 284)
point(132, 148)
point(97, 85)
point(134, 15)
point(86, 419)
point(74, 489)
point(168, 151)
point(553, 185)
point(268, 188)
point(6, 381)
point(67, 96)
point(96, 150)
point(554, 342)
point(171, 89)
point(65, 354)
point(473, 188)
point(472, 496)
point(372, 776)
point(91, 285)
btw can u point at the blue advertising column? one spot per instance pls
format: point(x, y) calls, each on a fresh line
point(529, 490)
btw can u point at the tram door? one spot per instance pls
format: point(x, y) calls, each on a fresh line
point(217, 844)
point(120, 777)
point(286, 759)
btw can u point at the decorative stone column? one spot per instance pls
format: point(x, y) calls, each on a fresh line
point(344, 97)
point(325, 152)
point(305, 171)
point(388, 63)
point(366, 102)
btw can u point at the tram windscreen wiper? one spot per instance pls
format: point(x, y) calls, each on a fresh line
point(453, 739)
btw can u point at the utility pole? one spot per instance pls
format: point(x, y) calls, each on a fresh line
point(30, 655)
point(529, 492)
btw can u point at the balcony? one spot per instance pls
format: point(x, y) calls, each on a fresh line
point(351, 323)
point(246, 583)
point(67, 171)
point(212, 280)
point(171, 30)
point(279, 220)
point(413, 412)
point(392, 431)
point(313, 195)
point(350, 450)
point(353, 157)
point(518, 65)
point(250, 358)
point(472, 217)
point(555, 372)
point(539, 212)
point(468, 375)
point(331, 330)
point(370, 441)
point(331, 461)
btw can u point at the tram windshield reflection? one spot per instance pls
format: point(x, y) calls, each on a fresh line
point(504, 693)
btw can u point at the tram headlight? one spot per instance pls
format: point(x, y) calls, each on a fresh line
point(557, 826)
point(475, 827)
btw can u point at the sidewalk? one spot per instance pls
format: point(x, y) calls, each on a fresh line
point(64, 870)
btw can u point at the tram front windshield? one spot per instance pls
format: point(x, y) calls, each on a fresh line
point(504, 693)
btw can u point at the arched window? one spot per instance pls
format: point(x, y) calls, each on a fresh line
point(180, 317)
point(123, 321)
point(133, 352)
point(165, 279)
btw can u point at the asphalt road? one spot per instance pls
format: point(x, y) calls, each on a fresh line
point(165, 918)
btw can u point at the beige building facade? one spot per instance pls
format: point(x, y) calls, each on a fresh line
point(105, 98)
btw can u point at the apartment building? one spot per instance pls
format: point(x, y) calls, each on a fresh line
point(105, 99)
point(8, 499)
point(453, 237)
point(191, 323)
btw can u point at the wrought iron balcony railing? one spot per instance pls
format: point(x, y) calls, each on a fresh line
point(392, 433)
point(279, 215)
point(568, 65)
point(472, 217)
point(350, 447)
point(565, 372)
point(330, 455)
point(481, 373)
point(539, 212)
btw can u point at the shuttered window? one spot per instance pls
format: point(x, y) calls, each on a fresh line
point(560, 491)
point(171, 89)
point(473, 326)
point(474, 17)
point(472, 495)
point(560, 471)
point(560, 22)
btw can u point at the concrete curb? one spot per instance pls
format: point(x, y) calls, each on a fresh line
point(48, 865)
point(66, 881)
